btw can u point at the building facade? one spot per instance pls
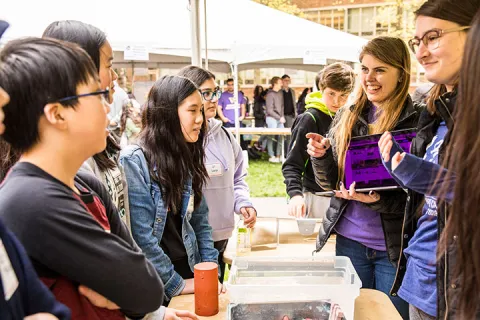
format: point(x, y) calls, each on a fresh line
point(367, 19)
point(364, 18)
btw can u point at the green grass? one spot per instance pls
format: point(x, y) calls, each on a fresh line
point(265, 179)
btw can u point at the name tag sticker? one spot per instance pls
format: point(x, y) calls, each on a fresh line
point(9, 278)
point(214, 170)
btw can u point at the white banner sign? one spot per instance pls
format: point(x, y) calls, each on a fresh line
point(315, 57)
point(138, 53)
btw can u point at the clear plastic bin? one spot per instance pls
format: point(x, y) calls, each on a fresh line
point(282, 279)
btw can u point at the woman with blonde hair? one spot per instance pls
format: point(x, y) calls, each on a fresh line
point(368, 226)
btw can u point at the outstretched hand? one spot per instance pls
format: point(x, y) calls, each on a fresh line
point(385, 144)
point(317, 145)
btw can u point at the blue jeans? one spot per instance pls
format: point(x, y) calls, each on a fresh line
point(373, 268)
point(273, 123)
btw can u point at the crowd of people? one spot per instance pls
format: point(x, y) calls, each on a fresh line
point(96, 230)
point(106, 208)
point(420, 246)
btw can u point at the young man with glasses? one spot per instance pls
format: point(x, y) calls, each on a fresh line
point(56, 119)
point(22, 294)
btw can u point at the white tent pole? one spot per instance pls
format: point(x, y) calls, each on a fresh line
point(235, 95)
point(195, 33)
point(205, 27)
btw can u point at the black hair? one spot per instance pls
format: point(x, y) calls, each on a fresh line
point(171, 159)
point(90, 38)
point(35, 72)
point(285, 76)
point(8, 158)
point(229, 80)
point(127, 104)
point(304, 93)
point(196, 74)
point(257, 91)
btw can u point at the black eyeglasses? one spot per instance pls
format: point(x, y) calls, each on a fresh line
point(104, 93)
point(431, 38)
point(209, 95)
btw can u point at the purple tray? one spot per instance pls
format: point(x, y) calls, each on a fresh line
point(364, 165)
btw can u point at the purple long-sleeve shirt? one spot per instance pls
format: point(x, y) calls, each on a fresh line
point(359, 222)
point(226, 190)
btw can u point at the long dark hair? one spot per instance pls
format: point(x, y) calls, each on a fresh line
point(463, 225)
point(304, 94)
point(172, 160)
point(257, 92)
point(127, 104)
point(460, 12)
point(196, 74)
point(8, 157)
point(91, 39)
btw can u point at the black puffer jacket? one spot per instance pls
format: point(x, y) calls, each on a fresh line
point(427, 127)
point(391, 205)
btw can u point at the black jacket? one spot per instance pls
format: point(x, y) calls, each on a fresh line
point(64, 239)
point(427, 127)
point(297, 168)
point(259, 111)
point(391, 205)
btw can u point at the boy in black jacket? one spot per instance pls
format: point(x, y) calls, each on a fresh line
point(335, 82)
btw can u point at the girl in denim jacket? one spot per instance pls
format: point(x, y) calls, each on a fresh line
point(165, 174)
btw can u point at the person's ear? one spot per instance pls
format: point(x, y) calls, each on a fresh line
point(55, 114)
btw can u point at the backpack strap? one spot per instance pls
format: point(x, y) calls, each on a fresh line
point(309, 111)
point(227, 133)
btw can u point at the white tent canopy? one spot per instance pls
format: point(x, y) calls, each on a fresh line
point(240, 32)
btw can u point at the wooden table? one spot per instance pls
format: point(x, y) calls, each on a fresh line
point(291, 242)
point(370, 305)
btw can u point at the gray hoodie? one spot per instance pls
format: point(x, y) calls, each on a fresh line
point(274, 104)
point(226, 190)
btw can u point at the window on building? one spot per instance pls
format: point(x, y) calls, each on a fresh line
point(312, 16)
point(247, 76)
point(383, 19)
point(354, 21)
point(367, 21)
point(339, 19)
point(326, 18)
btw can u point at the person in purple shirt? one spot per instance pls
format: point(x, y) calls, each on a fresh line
point(430, 283)
point(226, 106)
point(368, 225)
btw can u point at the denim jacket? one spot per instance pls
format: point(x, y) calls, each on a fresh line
point(148, 214)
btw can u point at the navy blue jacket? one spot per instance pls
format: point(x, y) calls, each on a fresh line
point(31, 295)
